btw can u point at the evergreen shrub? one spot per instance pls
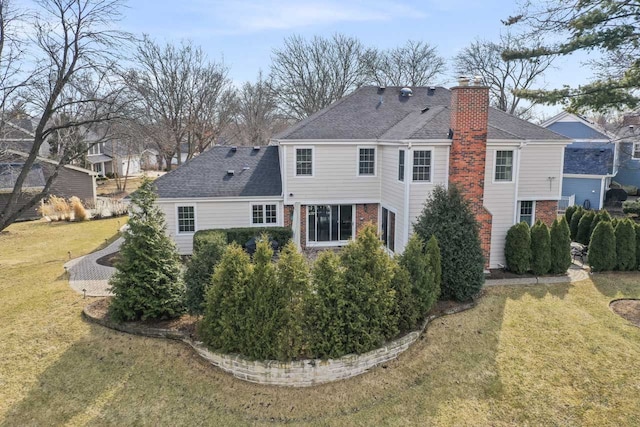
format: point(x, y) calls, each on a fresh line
point(560, 246)
point(517, 248)
point(575, 221)
point(197, 277)
point(540, 249)
point(625, 245)
point(602, 250)
point(569, 212)
point(584, 227)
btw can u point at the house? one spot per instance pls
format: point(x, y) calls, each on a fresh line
point(114, 157)
point(375, 156)
point(629, 154)
point(590, 161)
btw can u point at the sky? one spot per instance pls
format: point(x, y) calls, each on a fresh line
point(243, 33)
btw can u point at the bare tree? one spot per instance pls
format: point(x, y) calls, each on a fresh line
point(416, 63)
point(74, 50)
point(484, 58)
point(308, 75)
point(184, 98)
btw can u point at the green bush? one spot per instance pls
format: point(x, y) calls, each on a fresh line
point(147, 283)
point(447, 215)
point(369, 298)
point(197, 277)
point(602, 250)
point(569, 212)
point(575, 221)
point(631, 207)
point(584, 228)
point(637, 230)
point(326, 316)
point(242, 235)
point(560, 246)
point(540, 249)
point(625, 246)
point(517, 248)
point(405, 307)
point(434, 261)
point(415, 261)
point(602, 215)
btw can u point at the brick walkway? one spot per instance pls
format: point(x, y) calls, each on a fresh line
point(85, 274)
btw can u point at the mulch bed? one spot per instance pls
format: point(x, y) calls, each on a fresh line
point(499, 273)
point(628, 309)
point(109, 260)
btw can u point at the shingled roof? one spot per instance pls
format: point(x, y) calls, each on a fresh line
point(256, 174)
point(371, 113)
point(588, 161)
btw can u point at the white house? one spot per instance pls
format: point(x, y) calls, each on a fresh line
point(375, 156)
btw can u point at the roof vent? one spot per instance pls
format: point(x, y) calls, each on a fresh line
point(405, 91)
point(424, 110)
point(256, 147)
point(234, 148)
point(381, 88)
point(231, 172)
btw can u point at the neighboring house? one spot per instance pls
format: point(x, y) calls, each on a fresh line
point(375, 156)
point(629, 157)
point(17, 134)
point(114, 157)
point(71, 181)
point(589, 161)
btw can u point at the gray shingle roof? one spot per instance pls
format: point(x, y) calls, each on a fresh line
point(9, 174)
point(588, 161)
point(256, 173)
point(370, 113)
point(576, 130)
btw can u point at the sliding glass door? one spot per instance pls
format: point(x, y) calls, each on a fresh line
point(330, 223)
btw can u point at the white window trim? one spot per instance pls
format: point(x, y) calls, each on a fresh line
point(533, 211)
point(633, 150)
point(195, 220)
point(395, 231)
point(513, 167)
point(264, 214)
point(295, 161)
point(413, 152)
point(404, 172)
point(333, 242)
point(375, 161)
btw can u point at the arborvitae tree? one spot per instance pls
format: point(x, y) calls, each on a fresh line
point(326, 317)
point(200, 269)
point(602, 250)
point(223, 326)
point(602, 215)
point(637, 229)
point(584, 227)
point(422, 277)
point(293, 281)
point(575, 220)
point(434, 260)
point(405, 307)
point(447, 215)
point(369, 299)
point(147, 283)
point(560, 246)
point(569, 212)
point(625, 245)
point(517, 248)
point(540, 248)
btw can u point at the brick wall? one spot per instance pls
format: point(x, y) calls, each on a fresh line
point(288, 215)
point(366, 213)
point(303, 226)
point(546, 211)
point(467, 161)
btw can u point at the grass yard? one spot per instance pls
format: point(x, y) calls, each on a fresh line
point(534, 355)
point(109, 187)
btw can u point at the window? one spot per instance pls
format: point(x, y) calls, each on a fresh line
point(401, 165)
point(526, 212)
point(422, 165)
point(96, 148)
point(304, 162)
point(186, 219)
point(264, 214)
point(504, 166)
point(636, 150)
point(388, 229)
point(329, 223)
point(367, 161)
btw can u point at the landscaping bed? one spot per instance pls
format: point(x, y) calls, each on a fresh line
point(628, 309)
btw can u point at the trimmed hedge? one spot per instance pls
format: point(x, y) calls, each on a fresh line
point(602, 251)
point(569, 212)
point(242, 235)
point(625, 246)
point(584, 228)
point(560, 247)
point(575, 220)
point(517, 248)
point(540, 249)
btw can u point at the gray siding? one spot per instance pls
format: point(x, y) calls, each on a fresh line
point(393, 190)
point(71, 183)
point(419, 191)
point(537, 164)
point(629, 170)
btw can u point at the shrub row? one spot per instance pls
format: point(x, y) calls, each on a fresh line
point(615, 246)
point(243, 234)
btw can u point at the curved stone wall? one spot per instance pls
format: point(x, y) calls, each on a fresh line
point(299, 373)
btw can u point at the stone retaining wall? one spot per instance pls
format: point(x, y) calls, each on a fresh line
point(300, 373)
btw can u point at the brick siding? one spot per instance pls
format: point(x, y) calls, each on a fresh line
point(546, 211)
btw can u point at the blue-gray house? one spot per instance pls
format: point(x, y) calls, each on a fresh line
point(629, 154)
point(590, 162)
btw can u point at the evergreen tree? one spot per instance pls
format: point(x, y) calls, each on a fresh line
point(517, 248)
point(602, 250)
point(575, 220)
point(405, 307)
point(434, 260)
point(422, 277)
point(584, 228)
point(224, 326)
point(625, 245)
point(147, 283)
point(447, 215)
point(293, 281)
point(200, 268)
point(540, 249)
point(569, 212)
point(560, 247)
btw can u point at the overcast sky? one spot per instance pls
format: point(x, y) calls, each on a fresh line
point(244, 32)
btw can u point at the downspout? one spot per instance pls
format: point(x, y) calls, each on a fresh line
point(517, 180)
point(408, 160)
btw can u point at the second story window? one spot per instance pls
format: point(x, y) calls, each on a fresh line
point(401, 165)
point(95, 149)
point(636, 150)
point(367, 161)
point(304, 162)
point(504, 166)
point(422, 165)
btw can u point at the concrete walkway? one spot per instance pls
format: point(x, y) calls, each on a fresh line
point(86, 275)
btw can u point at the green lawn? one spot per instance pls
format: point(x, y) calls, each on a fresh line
point(534, 355)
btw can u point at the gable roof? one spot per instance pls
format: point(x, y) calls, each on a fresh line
point(575, 127)
point(256, 174)
point(588, 161)
point(372, 113)
point(9, 174)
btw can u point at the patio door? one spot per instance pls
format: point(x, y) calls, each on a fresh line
point(388, 229)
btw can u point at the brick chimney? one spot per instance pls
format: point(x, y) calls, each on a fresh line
point(467, 159)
